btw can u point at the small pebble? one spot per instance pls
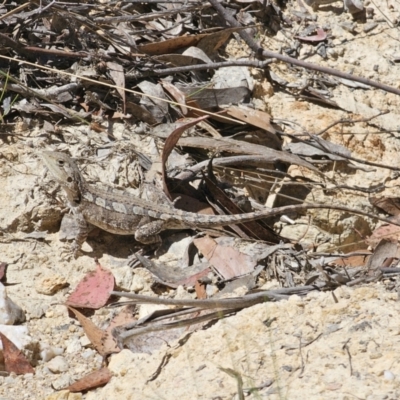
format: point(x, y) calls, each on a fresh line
point(369, 26)
point(51, 284)
point(388, 375)
point(374, 356)
point(349, 26)
point(62, 382)
point(50, 352)
point(84, 341)
point(9, 380)
point(57, 365)
point(88, 353)
point(74, 346)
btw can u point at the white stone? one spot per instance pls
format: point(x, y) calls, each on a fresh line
point(138, 283)
point(62, 382)
point(19, 335)
point(84, 341)
point(57, 365)
point(74, 346)
point(88, 353)
point(121, 362)
point(147, 309)
point(49, 352)
point(10, 313)
point(123, 277)
point(388, 375)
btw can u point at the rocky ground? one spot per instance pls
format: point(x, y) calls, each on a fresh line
point(340, 345)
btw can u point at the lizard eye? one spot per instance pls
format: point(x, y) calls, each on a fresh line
point(60, 163)
point(69, 179)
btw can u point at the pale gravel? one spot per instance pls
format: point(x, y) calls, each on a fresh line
point(262, 343)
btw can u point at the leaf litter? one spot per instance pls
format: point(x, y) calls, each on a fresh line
point(84, 70)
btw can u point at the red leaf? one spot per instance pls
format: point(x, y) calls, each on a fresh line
point(319, 37)
point(14, 360)
point(91, 381)
point(94, 289)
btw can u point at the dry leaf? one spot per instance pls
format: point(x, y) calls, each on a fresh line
point(140, 113)
point(124, 317)
point(228, 261)
point(220, 145)
point(96, 127)
point(257, 118)
point(387, 231)
point(94, 290)
point(200, 289)
point(353, 261)
point(319, 37)
point(384, 250)
point(14, 360)
point(176, 94)
point(154, 100)
point(209, 99)
point(389, 204)
point(91, 381)
point(170, 45)
point(117, 74)
point(171, 142)
point(174, 276)
point(100, 339)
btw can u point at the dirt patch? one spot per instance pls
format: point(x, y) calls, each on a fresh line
point(339, 345)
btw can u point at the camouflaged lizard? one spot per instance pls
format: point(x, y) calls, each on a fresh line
point(125, 214)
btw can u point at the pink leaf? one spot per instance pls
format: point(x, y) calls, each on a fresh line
point(94, 290)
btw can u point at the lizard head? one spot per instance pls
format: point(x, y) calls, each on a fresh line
point(65, 172)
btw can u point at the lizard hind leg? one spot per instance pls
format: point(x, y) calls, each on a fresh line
point(148, 233)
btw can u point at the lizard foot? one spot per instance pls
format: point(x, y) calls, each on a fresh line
point(69, 253)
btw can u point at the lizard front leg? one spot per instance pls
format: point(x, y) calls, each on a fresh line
point(82, 233)
point(148, 232)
